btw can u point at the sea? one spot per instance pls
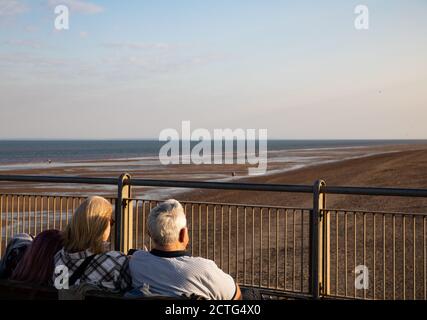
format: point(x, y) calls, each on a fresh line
point(41, 151)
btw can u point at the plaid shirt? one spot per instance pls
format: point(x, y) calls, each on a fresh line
point(109, 270)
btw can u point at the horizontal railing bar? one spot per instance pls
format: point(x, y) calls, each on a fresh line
point(278, 292)
point(368, 191)
point(162, 183)
point(51, 195)
point(280, 188)
point(59, 179)
point(221, 185)
point(343, 297)
point(372, 191)
point(369, 212)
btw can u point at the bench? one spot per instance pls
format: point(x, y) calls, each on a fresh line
point(16, 290)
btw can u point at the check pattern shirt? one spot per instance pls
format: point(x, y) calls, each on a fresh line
point(109, 270)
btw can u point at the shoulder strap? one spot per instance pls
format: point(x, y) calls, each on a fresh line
point(80, 270)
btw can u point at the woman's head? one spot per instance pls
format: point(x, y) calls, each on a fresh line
point(37, 263)
point(15, 250)
point(90, 226)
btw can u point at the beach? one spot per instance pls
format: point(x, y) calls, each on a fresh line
point(406, 168)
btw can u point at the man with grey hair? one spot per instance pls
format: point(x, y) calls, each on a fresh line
point(168, 270)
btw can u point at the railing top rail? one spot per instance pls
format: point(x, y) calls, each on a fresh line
point(221, 185)
point(368, 191)
point(59, 179)
point(161, 183)
point(372, 191)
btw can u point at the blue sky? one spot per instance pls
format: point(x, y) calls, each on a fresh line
point(128, 69)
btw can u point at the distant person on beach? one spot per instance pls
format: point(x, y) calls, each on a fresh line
point(85, 244)
point(37, 265)
point(168, 270)
point(15, 251)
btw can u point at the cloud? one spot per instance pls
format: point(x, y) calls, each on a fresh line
point(32, 66)
point(156, 57)
point(26, 59)
point(139, 46)
point(161, 63)
point(12, 7)
point(24, 43)
point(31, 29)
point(131, 61)
point(78, 6)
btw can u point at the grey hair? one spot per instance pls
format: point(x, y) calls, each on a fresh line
point(166, 221)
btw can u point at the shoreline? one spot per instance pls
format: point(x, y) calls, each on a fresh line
point(154, 156)
point(38, 165)
point(337, 167)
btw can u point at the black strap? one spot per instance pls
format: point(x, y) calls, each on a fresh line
point(80, 270)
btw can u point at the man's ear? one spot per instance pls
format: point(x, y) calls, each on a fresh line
point(182, 234)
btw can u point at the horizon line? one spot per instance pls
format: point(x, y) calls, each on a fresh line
point(156, 139)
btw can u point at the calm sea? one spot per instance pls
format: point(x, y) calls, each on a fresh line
point(42, 151)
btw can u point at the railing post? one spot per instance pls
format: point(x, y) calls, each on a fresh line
point(124, 215)
point(319, 243)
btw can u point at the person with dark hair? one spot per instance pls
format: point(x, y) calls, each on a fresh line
point(14, 252)
point(37, 264)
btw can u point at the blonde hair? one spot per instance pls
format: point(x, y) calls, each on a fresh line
point(87, 226)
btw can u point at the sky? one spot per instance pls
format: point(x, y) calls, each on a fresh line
point(129, 69)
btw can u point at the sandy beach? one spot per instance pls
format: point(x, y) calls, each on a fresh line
point(400, 169)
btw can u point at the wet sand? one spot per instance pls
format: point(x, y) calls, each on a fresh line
point(402, 169)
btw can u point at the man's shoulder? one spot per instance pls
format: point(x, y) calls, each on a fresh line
point(200, 265)
point(201, 261)
point(141, 254)
point(139, 257)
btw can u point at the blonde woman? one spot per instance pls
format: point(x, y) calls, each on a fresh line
point(85, 255)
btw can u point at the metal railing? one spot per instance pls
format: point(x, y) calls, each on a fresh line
point(30, 213)
point(392, 246)
point(259, 246)
point(296, 252)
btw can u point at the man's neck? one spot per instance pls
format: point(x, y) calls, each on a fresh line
point(170, 247)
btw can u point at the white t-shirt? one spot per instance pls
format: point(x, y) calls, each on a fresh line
point(176, 274)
